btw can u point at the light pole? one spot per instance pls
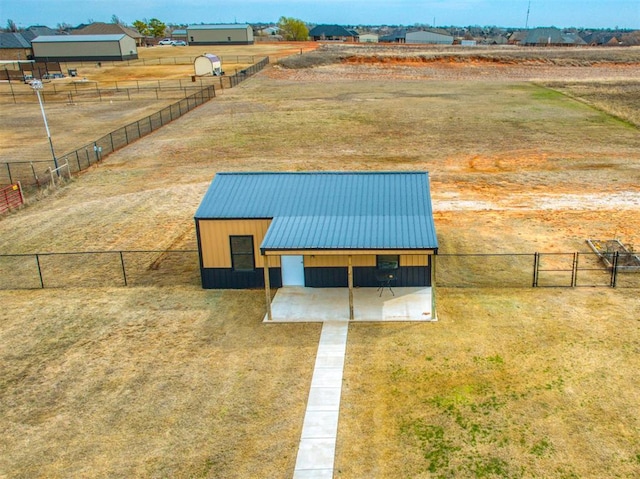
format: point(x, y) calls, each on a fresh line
point(37, 86)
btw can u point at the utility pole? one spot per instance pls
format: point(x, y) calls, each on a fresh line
point(37, 86)
point(526, 24)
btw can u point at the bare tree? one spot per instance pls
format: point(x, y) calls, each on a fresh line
point(115, 19)
point(11, 26)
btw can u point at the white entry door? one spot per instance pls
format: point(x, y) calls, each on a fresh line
point(292, 270)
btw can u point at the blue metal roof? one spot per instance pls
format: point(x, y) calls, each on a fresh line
point(355, 210)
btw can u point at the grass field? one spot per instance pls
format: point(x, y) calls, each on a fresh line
point(73, 125)
point(180, 382)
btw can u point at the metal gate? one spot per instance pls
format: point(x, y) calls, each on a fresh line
point(570, 270)
point(11, 197)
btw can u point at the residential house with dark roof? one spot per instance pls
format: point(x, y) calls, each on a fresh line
point(332, 33)
point(100, 28)
point(13, 46)
point(551, 36)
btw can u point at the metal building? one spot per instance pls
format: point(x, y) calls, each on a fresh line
point(68, 48)
point(429, 37)
point(316, 229)
point(234, 34)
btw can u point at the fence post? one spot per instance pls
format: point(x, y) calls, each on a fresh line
point(574, 271)
point(614, 269)
point(39, 271)
point(536, 265)
point(9, 172)
point(124, 271)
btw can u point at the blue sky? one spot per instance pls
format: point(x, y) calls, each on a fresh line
point(511, 13)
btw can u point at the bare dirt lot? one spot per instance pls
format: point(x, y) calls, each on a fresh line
point(524, 157)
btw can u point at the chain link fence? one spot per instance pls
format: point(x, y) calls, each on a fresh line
point(99, 268)
point(38, 173)
point(171, 267)
point(538, 270)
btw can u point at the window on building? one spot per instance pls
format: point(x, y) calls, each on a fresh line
point(387, 261)
point(242, 253)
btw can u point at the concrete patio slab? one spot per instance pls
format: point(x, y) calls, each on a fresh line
point(300, 304)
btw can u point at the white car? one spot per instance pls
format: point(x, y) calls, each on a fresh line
point(165, 41)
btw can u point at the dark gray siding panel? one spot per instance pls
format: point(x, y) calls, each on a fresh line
point(337, 277)
point(330, 277)
point(226, 278)
point(405, 276)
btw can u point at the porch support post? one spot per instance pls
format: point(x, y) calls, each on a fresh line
point(432, 263)
point(267, 286)
point(350, 278)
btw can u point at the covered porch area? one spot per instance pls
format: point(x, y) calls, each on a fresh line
point(301, 304)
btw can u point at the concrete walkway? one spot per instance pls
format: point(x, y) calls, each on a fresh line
point(317, 447)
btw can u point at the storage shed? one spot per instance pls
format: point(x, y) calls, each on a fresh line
point(234, 34)
point(207, 64)
point(319, 229)
point(66, 48)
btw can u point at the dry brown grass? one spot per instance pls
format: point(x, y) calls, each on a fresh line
point(174, 382)
point(73, 125)
point(186, 383)
point(508, 384)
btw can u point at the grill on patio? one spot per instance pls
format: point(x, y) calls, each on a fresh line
point(384, 277)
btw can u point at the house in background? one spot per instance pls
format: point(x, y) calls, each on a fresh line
point(316, 230)
point(68, 48)
point(551, 37)
point(17, 45)
point(233, 34)
point(13, 46)
point(334, 33)
point(99, 28)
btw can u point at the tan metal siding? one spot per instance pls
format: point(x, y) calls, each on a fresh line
point(80, 49)
point(128, 46)
point(314, 261)
point(221, 35)
point(414, 260)
point(214, 240)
